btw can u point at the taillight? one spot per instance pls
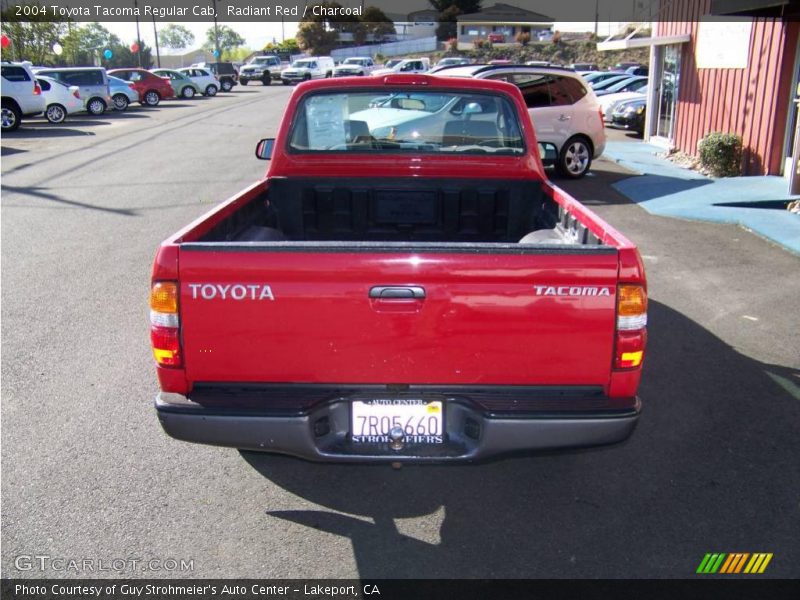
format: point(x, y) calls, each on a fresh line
point(165, 324)
point(77, 94)
point(600, 114)
point(631, 337)
point(131, 85)
point(37, 91)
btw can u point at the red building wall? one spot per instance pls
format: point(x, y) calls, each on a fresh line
point(752, 102)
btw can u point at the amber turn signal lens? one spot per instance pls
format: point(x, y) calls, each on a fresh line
point(631, 301)
point(164, 297)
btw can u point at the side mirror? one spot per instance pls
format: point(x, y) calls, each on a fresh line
point(264, 148)
point(548, 152)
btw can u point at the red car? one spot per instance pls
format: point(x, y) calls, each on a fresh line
point(151, 88)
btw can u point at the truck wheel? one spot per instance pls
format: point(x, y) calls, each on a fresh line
point(120, 102)
point(187, 92)
point(11, 117)
point(285, 81)
point(211, 90)
point(226, 84)
point(267, 79)
point(575, 158)
point(56, 113)
point(307, 77)
point(152, 98)
point(243, 80)
point(96, 106)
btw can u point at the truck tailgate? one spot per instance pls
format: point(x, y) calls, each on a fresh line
point(397, 316)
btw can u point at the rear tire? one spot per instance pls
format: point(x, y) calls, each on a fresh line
point(120, 101)
point(267, 79)
point(11, 117)
point(187, 92)
point(575, 158)
point(227, 85)
point(151, 98)
point(96, 106)
point(55, 113)
point(211, 90)
point(243, 80)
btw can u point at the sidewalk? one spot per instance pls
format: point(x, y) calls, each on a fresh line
point(662, 188)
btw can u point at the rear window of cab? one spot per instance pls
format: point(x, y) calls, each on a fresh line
point(406, 121)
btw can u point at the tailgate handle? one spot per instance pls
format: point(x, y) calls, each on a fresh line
point(394, 292)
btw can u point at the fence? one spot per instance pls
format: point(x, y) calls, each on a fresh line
point(427, 44)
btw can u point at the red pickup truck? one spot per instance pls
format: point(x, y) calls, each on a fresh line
point(404, 285)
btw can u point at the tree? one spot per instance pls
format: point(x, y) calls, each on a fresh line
point(449, 11)
point(289, 46)
point(228, 39)
point(318, 34)
point(33, 38)
point(377, 24)
point(83, 43)
point(175, 36)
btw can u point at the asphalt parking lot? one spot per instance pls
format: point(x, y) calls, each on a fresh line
point(88, 474)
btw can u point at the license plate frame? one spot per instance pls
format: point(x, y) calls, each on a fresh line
point(414, 415)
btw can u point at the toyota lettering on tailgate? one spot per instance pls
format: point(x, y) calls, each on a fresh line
point(571, 290)
point(231, 291)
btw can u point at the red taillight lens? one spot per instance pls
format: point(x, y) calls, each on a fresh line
point(165, 324)
point(166, 346)
point(77, 94)
point(631, 335)
point(600, 114)
point(37, 91)
point(630, 349)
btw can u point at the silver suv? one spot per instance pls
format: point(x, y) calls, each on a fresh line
point(22, 96)
point(564, 110)
point(261, 68)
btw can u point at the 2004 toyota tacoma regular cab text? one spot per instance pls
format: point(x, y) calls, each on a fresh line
point(404, 285)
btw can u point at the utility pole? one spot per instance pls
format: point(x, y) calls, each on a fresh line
point(596, 16)
point(138, 35)
point(155, 33)
point(216, 33)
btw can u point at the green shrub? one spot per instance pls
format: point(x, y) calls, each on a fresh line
point(721, 154)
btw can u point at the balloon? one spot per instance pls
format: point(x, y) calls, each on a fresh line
point(5, 41)
point(216, 53)
point(134, 47)
point(57, 49)
point(108, 54)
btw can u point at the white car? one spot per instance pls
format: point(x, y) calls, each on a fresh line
point(355, 66)
point(610, 102)
point(408, 65)
point(60, 99)
point(564, 110)
point(205, 79)
point(22, 95)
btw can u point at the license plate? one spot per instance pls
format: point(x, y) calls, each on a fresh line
point(421, 421)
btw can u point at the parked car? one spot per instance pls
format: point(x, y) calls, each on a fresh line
point(91, 81)
point(391, 63)
point(225, 72)
point(615, 78)
point(122, 93)
point(564, 110)
point(306, 69)
point(60, 99)
point(451, 61)
point(631, 115)
point(596, 77)
point(632, 84)
point(624, 66)
point(584, 67)
point(496, 38)
point(151, 88)
point(21, 95)
point(407, 65)
point(545, 36)
point(638, 70)
point(182, 84)
point(355, 66)
point(204, 78)
point(261, 68)
point(610, 102)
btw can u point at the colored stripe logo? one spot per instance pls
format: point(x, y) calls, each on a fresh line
point(737, 562)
